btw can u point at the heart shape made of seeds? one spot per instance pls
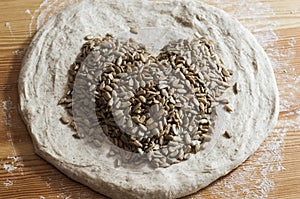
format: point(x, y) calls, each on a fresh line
point(160, 110)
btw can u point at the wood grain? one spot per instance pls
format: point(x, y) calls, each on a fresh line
point(32, 177)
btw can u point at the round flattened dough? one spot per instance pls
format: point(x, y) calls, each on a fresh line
point(44, 76)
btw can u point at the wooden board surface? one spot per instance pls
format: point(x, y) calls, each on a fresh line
point(25, 175)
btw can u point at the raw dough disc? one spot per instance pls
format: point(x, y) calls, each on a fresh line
point(55, 46)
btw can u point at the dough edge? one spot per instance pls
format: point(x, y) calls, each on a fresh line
point(113, 189)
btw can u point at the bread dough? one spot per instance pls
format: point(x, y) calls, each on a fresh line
point(55, 46)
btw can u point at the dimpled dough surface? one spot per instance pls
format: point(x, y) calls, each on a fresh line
point(55, 46)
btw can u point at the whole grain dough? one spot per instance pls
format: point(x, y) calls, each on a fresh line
point(55, 46)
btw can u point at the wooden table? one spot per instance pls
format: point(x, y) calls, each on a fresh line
point(23, 174)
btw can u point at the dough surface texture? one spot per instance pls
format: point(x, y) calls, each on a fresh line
point(54, 48)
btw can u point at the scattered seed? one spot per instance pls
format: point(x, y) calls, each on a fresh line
point(62, 101)
point(197, 148)
point(149, 122)
point(223, 101)
point(119, 61)
point(76, 136)
point(108, 88)
point(228, 108)
point(64, 120)
point(107, 96)
point(89, 37)
point(142, 98)
point(175, 130)
point(225, 72)
point(169, 137)
point(117, 163)
point(203, 121)
point(236, 88)
point(73, 125)
point(187, 156)
point(173, 154)
point(138, 144)
point(111, 153)
point(144, 128)
point(133, 30)
point(227, 135)
point(187, 138)
point(180, 155)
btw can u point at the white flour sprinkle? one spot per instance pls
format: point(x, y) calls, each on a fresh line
point(28, 12)
point(19, 53)
point(8, 25)
point(292, 42)
point(8, 183)
point(14, 163)
point(7, 107)
point(46, 9)
point(63, 196)
point(298, 118)
point(8, 167)
point(254, 179)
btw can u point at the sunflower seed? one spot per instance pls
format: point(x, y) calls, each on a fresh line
point(227, 135)
point(236, 88)
point(133, 30)
point(89, 37)
point(203, 121)
point(228, 108)
point(117, 163)
point(64, 120)
point(162, 115)
point(180, 155)
point(223, 101)
point(187, 156)
point(187, 138)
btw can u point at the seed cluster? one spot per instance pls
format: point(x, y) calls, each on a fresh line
point(160, 108)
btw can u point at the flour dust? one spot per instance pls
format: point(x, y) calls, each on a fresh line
point(12, 163)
